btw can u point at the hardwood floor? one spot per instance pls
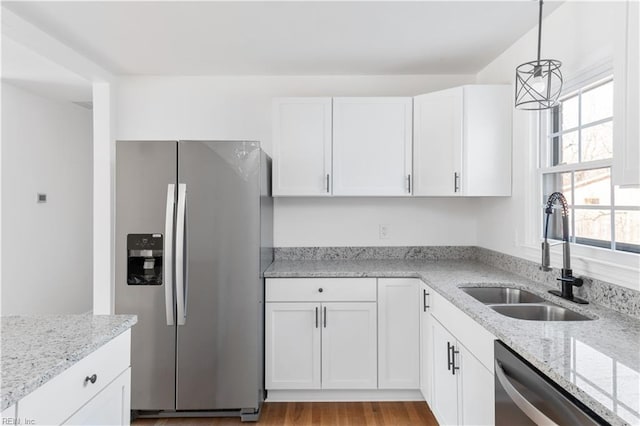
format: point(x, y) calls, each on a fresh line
point(319, 413)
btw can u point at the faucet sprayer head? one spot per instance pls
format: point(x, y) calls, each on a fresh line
point(546, 261)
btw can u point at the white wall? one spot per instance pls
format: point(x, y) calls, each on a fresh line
point(46, 248)
point(152, 108)
point(581, 35)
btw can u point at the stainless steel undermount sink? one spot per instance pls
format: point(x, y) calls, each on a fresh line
point(499, 295)
point(539, 312)
point(521, 304)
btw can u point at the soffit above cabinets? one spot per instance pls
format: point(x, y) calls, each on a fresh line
point(30, 71)
point(285, 38)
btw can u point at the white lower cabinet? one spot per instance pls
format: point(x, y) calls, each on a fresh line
point(292, 346)
point(476, 397)
point(426, 343)
point(9, 414)
point(463, 388)
point(321, 345)
point(349, 349)
point(95, 390)
point(385, 338)
point(398, 333)
point(445, 382)
point(312, 343)
point(112, 406)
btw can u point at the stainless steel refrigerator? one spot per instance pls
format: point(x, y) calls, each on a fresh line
point(194, 234)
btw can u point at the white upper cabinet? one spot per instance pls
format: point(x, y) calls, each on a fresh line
point(437, 131)
point(302, 146)
point(462, 142)
point(372, 146)
point(626, 128)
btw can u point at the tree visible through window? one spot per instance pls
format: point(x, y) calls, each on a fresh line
point(577, 153)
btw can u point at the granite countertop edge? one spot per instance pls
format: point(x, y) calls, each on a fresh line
point(18, 389)
point(475, 309)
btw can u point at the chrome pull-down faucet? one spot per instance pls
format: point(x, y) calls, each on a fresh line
point(567, 279)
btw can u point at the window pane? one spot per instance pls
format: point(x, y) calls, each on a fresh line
point(593, 224)
point(593, 187)
point(556, 182)
point(569, 108)
point(569, 149)
point(627, 196)
point(597, 142)
point(597, 103)
point(628, 226)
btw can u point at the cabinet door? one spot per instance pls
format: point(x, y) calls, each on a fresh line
point(486, 164)
point(349, 347)
point(292, 346)
point(477, 400)
point(10, 413)
point(426, 344)
point(626, 108)
point(437, 133)
point(302, 146)
point(372, 146)
point(445, 382)
point(112, 406)
point(398, 334)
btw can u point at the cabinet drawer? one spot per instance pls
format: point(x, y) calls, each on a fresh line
point(112, 406)
point(467, 331)
point(321, 290)
point(55, 401)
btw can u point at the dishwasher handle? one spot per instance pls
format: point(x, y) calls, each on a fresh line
point(530, 410)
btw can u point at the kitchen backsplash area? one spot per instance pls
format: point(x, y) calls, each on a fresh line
point(621, 299)
point(376, 253)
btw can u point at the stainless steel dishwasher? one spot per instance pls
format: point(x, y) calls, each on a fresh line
point(525, 396)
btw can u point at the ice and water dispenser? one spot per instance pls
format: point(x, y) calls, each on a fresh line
point(144, 259)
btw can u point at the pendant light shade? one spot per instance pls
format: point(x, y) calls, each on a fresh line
point(539, 82)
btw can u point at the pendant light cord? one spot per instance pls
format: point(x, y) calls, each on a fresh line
point(539, 31)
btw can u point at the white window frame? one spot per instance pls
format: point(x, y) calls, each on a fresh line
point(546, 153)
point(621, 268)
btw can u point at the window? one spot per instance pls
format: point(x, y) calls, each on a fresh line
point(576, 159)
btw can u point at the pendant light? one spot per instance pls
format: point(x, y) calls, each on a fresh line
point(539, 82)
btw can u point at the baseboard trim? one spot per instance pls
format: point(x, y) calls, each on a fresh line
point(340, 395)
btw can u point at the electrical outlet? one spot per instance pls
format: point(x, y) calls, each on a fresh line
point(383, 230)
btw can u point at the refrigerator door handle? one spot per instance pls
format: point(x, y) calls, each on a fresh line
point(181, 253)
point(168, 253)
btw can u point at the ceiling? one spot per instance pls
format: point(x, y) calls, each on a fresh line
point(24, 68)
point(286, 38)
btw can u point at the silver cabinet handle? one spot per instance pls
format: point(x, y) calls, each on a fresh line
point(537, 416)
point(456, 182)
point(424, 300)
point(325, 317)
point(167, 264)
point(409, 184)
point(454, 367)
point(328, 187)
point(316, 317)
point(181, 253)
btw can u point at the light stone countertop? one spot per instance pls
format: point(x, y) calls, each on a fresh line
point(35, 349)
point(598, 361)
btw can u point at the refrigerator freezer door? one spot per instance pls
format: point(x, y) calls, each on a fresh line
point(218, 352)
point(144, 171)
